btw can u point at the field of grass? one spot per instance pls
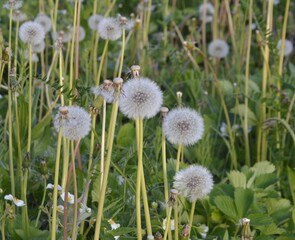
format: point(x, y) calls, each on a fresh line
point(147, 119)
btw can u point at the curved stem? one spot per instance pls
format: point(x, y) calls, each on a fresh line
point(42, 202)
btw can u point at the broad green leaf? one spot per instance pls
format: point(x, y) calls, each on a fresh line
point(253, 87)
point(291, 180)
point(38, 130)
point(270, 229)
point(263, 167)
point(226, 87)
point(227, 206)
point(126, 135)
point(260, 219)
point(241, 109)
point(96, 188)
point(226, 236)
point(274, 205)
point(237, 179)
point(265, 180)
point(243, 201)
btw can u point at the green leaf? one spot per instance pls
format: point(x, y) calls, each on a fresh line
point(241, 109)
point(37, 130)
point(121, 231)
point(227, 206)
point(126, 135)
point(270, 229)
point(260, 219)
point(266, 180)
point(263, 167)
point(274, 205)
point(226, 87)
point(237, 179)
point(243, 201)
point(291, 180)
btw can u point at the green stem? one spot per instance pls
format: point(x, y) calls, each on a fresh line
point(245, 126)
point(3, 230)
point(42, 202)
point(180, 147)
point(16, 45)
point(106, 172)
point(191, 218)
point(138, 181)
point(30, 99)
point(122, 53)
point(102, 153)
point(287, 120)
point(56, 172)
point(168, 223)
point(101, 62)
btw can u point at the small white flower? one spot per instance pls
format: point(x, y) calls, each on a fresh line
point(114, 226)
point(172, 225)
point(288, 47)
point(51, 186)
point(209, 12)
point(109, 28)
point(14, 4)
point(105, 90)
point(71, 198)
point(60, 208)
point(17, 202)
point(218, 48)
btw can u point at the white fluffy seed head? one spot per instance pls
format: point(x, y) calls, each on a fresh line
point(35, 57)
point(75, 122)
point(94, 21)
point(82, 33)
point(125, 23)
point(106, 90)
point(209, 12)
point(193, 183)
point(18, 16)
point(183, 126)
point(37, 48)
point(14, 4)
point(141, 97)
point(31, 32)
point(109, 28)
point(218, 48)
point(44, 21)
point(288, 47)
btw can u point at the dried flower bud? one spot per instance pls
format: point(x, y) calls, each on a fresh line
point(185, 231)
point(163, 112)
point(172, 197)
point(43, 167)
point(27, 159)
point(135, 70)
point(158, 236)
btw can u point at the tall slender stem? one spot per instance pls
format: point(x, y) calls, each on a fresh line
point(101, 62)
point(103, 128)
point(168, 223)
point(42, 202)
point(191, 217)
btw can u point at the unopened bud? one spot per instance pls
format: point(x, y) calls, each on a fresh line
point(172, 197)
point(135, 69)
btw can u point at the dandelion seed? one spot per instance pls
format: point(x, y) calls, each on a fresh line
point(31, 32)
point(109, 28)
point(75, 122)
point(218, 48)
point(14, 4)
point(70, 199)
point(288, 47)
point(106, 90)
point(16, 201)
point(209, 12)
point(44, 21)
point(18, 16)
point(183, 126)
point(194, 182)
point(142, 98)
point(94, 21)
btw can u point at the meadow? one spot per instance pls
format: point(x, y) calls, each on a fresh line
point(147, 119)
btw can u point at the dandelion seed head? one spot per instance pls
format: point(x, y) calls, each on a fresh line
point(35, 57)
point(218, 48)
point(44, 21)
point(194, 182)
point(75, 122)
point(142, 98)
point(31, 32)
point(18, 16)
point(209, 12)
point(288, 47)
point(94, 21)
point(109, 28)
point(125, 23)
point(183, 126)
point(37, 48)
point(82, 33)
point(106, 90)
point(14, 4)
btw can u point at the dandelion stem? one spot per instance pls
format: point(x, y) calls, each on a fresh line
point(191, 217)
point(101, 62)
point(180, 147)
point(122, 53)
point(56, 172)
point(42, 202)
point(168, 223)
point(103, 140)
point(106, 171)
point(30, 99)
